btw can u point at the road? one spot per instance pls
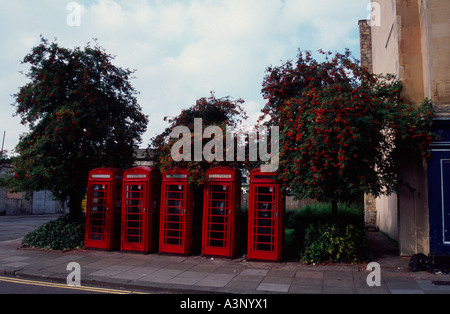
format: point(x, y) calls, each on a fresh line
point(13, 285)
point(15, 227)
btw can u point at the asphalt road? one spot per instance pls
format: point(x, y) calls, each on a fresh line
point(15, 227)
point(11, 285)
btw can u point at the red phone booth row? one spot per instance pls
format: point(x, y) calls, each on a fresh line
point(122, 209)
point(134, 219)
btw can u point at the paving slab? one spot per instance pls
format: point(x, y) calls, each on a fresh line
point(136, 272)
point(112, 270)
point(273, 287)
point(400, 283)
point(406, 291)
point(254, 272)
point(215, 280)
point(305, 289)
point(188, 278)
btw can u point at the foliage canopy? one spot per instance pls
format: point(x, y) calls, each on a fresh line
point(82, 113)
point(345, 131)
point(220, 112)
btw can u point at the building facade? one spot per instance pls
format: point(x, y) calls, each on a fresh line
point(411, 39)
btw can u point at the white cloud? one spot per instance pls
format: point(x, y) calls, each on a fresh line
point(181, 49)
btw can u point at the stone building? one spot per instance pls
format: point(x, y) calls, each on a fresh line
point(411, 39)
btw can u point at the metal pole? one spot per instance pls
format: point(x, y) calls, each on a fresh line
point(3, 144)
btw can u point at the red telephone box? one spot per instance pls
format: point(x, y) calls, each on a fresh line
point(221, 208)
point(140, 209)
point(103, 209)
point(265, 217)
point(175, 235)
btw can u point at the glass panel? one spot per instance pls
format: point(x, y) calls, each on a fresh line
point(173, 214)
point(218, 208)
point(264, 218)
point(97, 212)
point(134, 200)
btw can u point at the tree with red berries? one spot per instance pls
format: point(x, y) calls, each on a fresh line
point(343, 130)
point(218, 112)
point(82, 113)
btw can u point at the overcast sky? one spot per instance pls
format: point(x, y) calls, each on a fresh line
point(181, 49)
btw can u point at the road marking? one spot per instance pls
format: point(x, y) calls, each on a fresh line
point(63, 286)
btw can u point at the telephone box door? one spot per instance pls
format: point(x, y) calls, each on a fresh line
point(217, 220)
point(220, 212)
point(97, 214)
point(134, 218)
point(140, 196)
point(176, 213)
point(266, 233)
point(102, 210)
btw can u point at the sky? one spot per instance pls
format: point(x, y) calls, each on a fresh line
point(181, 49)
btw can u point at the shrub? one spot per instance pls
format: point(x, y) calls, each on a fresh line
point(318, 236)
point(61, 234)
point(325, 242)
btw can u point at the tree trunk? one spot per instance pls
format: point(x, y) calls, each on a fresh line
point(75, 199)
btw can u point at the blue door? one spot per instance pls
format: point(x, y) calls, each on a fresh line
point(446, 200)
point(439, 192)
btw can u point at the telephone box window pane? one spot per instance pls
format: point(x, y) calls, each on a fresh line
point(173, 220)
point(98, 213)
point(134, 205)
point(264, 218)
point(174, 204)
point(133, 213)
point(220, 211)
point(218, 219)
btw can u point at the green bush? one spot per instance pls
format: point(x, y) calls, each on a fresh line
point(325, 242)
point(319, 237)
point(63, 233)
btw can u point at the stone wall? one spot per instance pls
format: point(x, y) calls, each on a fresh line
point(365, 35)
point(370, 210)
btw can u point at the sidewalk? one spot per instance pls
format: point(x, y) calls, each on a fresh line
point(197, 274)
